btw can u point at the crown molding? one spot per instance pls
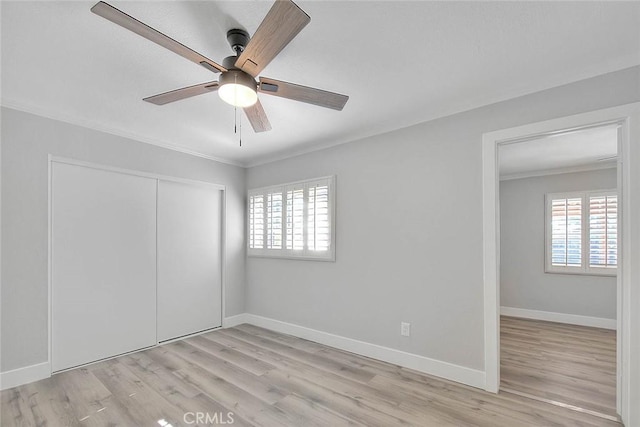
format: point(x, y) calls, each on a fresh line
point(559, 171)
point(26, 108)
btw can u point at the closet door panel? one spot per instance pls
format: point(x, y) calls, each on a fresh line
point(103, 261)
point(189, 259)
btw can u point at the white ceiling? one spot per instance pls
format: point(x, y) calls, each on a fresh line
point(585, 149)
point(401, 63)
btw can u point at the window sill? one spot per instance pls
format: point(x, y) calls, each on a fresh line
point(608, 273)
point(331, 258)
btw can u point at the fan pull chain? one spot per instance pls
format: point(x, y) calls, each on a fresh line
point(235, 112)
point(235, 124)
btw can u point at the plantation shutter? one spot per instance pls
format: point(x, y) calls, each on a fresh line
point(582, 232)
point(292, 220)
point(603, 231)
point(274, 220)
point(566, 232)
point(256, 221)
point(295, 217)
point(318, 219)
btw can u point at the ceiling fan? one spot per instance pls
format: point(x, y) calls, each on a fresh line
point(237, 84)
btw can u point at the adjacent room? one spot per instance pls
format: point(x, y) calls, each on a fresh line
point(559, 246)
point(268, 213)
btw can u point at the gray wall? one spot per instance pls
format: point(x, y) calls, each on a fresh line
point(26, 142)
point(409, 228)
point(523, 282)
point(400, 255)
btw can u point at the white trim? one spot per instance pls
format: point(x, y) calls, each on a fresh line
point(87, 124)
point(156, 257)
point(628, 321)
point(624, 63)
point(49, 257)
point(560, 171)
point(621, 177)
point(491, 265)
point(275, 255)
point(283, 252)
point(629, 275)
point(0, 248)
point(223, 258)
point(461, 374)
point(550, 316)
point(28, 374)
point(231, 321)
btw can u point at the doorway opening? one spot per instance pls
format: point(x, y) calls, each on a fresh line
point(558, 265)
point(627, 118)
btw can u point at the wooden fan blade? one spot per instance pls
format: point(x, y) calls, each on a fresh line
point(283, 22)
point(257, 117)
point(300, 93)
point(130, 23)
point(185, 92)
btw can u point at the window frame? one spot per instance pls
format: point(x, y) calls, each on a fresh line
point(585, 268)
point(283, 252)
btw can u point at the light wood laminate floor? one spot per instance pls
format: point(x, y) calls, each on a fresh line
point(265, 379)
point(571, 364)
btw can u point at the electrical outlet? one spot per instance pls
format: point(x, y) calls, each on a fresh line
point(405, 329)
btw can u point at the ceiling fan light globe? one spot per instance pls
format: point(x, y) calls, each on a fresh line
point(238, 95)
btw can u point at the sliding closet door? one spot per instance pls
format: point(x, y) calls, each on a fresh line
point(103, 264)
point(189, 259)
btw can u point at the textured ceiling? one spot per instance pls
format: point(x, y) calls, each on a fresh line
point(401, 63)
point(588, 148)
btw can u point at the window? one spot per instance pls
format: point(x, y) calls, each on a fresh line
point(293, 220)
point(582, 232)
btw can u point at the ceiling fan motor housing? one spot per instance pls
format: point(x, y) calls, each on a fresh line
point(236, 75)
point(238, 39)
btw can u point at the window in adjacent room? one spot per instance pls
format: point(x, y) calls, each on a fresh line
point(293, 220)
point(582, 232)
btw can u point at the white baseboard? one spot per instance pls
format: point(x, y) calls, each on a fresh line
point(461, 374)
point(572, 319)
point(25, 375)
point(231, 321)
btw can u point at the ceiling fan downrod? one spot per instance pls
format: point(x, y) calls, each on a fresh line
point(238, 39)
